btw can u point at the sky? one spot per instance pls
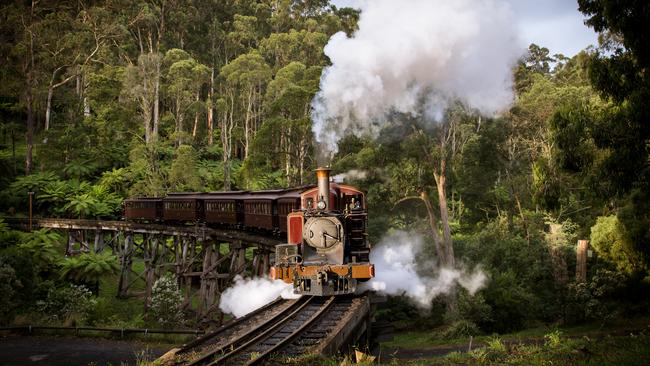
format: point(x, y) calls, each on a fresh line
point(554, 24)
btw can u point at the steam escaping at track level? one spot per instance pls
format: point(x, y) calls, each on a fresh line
point(415, 57)
point(249, 294)
point(398, 271)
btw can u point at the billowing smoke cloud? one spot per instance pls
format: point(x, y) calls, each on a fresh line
point(399, 273)
point(350, 174)
point(248, 294)
point(414, 57)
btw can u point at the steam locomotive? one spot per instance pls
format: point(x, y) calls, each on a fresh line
point(327, 251)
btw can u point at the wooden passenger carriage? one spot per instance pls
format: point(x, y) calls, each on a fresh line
point(183, 207)
point(144, 208)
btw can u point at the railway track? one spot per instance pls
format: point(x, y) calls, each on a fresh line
point(280, 331)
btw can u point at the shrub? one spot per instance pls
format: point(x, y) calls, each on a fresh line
point(474, 308)
point(166, 302)
point(513, 303)
point(597, 299)
point(9, 285)
point(70, 304)
point(88, 268)
point(552, 340)
point(609, 241)
point(460, 329)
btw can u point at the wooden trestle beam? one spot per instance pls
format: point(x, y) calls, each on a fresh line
point(204, 260)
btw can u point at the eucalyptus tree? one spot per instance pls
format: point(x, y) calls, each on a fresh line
point(184, 78)
point(620, 71)
point(246, 77)
point(287, 105)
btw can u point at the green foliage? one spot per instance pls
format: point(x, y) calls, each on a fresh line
point(166, 302)
point(596, 299)
point(43, 246)
point(70, 304)
point(611, 244)
point(618, 69)
point(553, 339)
point(80, 168)
point(31, 183)
point(512, 303)
point(221, 97)
point(9, 286)
point(95, 202)
point(460, 329)
point(184, 174)
point(88, 268)
point(474, 309)
point(619, 350)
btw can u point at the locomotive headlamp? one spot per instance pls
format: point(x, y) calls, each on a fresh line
point(321, 205)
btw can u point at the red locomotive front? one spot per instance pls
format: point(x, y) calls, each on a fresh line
point(327, 251)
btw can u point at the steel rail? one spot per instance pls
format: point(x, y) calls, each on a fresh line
point(294, 334)
point(262, 336)
point(300, 304)
point(208, 337)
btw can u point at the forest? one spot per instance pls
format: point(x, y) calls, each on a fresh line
point(104, 100)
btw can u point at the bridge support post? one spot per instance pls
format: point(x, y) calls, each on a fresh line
point(153, 250)
point(99, 241)
point(76, 236)
point(209, 279)
point(124, 251)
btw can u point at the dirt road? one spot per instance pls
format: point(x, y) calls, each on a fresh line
point(67, 351)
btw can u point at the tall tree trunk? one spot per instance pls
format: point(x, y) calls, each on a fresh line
point(433, 225)
point(210, 122)
point(287, 155)
point(196, 116)
point(156, 102)
point(48, 107)
point(247, 122)
point(29, 100)
point(226, 142)
point(448, 246)
point(179, 123)
point(28, 68)
point(441, 187)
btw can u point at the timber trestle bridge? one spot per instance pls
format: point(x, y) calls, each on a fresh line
point(205, 260)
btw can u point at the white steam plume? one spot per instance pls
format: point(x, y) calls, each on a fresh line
point(415, 56)
point(248, 294)
point(350, 174)
point(398, 272)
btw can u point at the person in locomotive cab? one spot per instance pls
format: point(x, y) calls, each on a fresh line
point(354, 204)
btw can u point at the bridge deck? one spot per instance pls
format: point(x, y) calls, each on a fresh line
point(199, 231)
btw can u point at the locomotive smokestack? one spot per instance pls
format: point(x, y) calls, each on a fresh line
point(323, 176)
